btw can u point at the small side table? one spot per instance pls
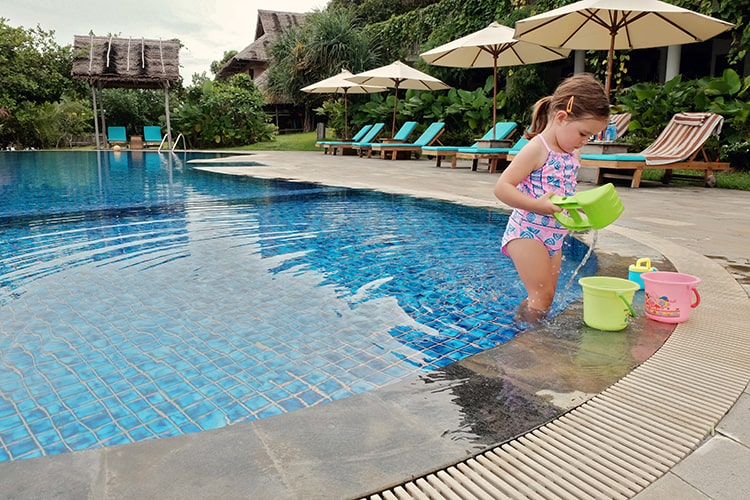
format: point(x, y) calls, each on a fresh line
point(494, 143)
point(604, 148)
point(136, 142)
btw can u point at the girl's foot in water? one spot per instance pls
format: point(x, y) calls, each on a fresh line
point(526, 314)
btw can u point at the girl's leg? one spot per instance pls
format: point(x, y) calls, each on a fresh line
point(538, 271)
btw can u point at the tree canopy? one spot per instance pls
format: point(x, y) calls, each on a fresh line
point(33, 68)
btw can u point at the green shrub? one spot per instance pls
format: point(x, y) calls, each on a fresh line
point(737, 154)
point(224, 114)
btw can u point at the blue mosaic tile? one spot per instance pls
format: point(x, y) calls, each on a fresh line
point(270, 411)
point(188, 428)
point(26, 448)
point(330, 386)
point(141, 433)
point(257, 403)
point(292, 404)
point(311, 397)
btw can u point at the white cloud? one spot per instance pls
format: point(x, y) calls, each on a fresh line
point(206, 28)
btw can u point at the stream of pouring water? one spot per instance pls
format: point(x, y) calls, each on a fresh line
point(583, 263)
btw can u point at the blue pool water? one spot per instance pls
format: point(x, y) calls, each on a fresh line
point(140, 298)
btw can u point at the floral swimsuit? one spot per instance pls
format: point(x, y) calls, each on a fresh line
point(559, 175)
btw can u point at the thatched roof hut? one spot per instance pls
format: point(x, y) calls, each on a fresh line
point(109, 62)
point(253, 59)
point(126, 62)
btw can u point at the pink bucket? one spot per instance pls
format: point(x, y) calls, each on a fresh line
point(669, 296)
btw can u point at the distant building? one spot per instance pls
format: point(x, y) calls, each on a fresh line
point(253, 61)
point(137, 63)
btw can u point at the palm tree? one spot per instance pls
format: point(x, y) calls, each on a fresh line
point(329, 41)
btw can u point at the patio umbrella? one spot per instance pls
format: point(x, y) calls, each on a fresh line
point(617, 24)
point(338, 84)
point(491, 47)
point(398, 75)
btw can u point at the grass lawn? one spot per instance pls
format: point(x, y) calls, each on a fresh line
point(285, 142)
point(727, 180)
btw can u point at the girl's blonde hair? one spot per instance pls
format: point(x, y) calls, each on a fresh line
point(581, 95)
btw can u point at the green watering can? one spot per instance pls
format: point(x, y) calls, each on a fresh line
point(595, 208)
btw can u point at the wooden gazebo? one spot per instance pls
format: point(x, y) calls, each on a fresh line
point(110, 62)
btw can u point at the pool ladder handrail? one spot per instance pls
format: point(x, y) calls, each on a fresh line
point(179, 136)
point(177, 141)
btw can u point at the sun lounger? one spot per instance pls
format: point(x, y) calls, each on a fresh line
point(345, 147)
point(502, 131)
point(622, 122)
point(357, 137)
point(405, 150)
point(400, 137)
point(116, 136)
point(492, 155)
point(680, 146)
point(152, 135)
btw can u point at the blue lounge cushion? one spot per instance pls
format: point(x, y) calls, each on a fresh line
point(357, 137)
point(369, 136)
point(427, 137)
point(513, 149)
point(441, 148)
point(403, 133)
point(502, 130)
point(152, 133)
point(614, 157)
point(116, 134)
point(484, 150)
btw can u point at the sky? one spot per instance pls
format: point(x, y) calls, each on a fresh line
point(206, 28)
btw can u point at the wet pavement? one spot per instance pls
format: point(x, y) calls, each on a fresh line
point(371, 441)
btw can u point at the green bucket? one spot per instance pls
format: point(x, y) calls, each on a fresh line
point(607, 302)
point(596, 208)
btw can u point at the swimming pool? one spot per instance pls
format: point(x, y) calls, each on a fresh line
point(140, 298)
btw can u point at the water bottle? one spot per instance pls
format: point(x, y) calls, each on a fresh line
point(610, 134)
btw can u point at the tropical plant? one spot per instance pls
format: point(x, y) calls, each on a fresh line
point(329, 41)
point(525, 85)
point(727, 95)
point(652, 106)
point(373, 11)
point(133, 108)
point(217, 65)
point(51, 125)
point(737, 154)
point(333, 111)
point(224, 114)
point(467, 114)
point(34, 69)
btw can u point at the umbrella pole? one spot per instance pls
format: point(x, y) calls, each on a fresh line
point(610, 57)
point(395, 106)
point(494, 98)
point(346, 118)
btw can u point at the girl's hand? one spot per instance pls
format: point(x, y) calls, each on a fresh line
point(545, 205)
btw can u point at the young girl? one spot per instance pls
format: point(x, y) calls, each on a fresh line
point(547, 165)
